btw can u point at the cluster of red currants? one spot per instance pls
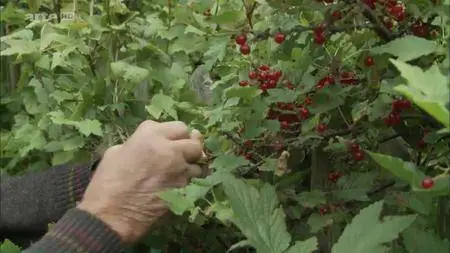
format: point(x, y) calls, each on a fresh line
point(398, 106)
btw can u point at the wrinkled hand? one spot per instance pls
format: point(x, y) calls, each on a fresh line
point(156, 157)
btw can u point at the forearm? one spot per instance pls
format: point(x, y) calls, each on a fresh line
point(78, 231)
point(28, 203)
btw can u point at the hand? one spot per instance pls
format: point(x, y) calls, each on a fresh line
point(158, 156)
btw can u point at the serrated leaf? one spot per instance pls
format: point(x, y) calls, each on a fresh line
point(176, 201)
point(242, 92)
point(162, 103)
point(229, 162)
point(429, 85)
point(307, 246)
point(311, 199)
point(89, 126)
point(257, 215)
point(128, 72)
point(316, 221)
point(407, 48)
point(9, 247)
point(359, 239)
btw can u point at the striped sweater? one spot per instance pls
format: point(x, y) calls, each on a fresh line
point(29, 203)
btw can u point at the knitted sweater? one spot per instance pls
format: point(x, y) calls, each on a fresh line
point(29, 203)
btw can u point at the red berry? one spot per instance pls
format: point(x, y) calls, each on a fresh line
point(304, 113)
point(245, 49)
point(248, 143)
point(370, 3)
point(241, 39)
point(264, 86)
point(393, 119)
point(405, 104)
point(398, 11)
point(248, 156)
point(263, 75)
point(284, 124)
point(272, 84)
point(369, 61)
point(427, 183)
point(308, 101)
point(358, 156)
point(243, 83)
point(354, 147)
point(421, 144)
point(337, 15)
point(253, 75)
point(397, 105)
point(319, 38)
point(264, 67)
point(279, 37)
point(348, 77)
point(323, 210)
point(321, 128)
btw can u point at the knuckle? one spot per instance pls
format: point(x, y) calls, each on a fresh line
point(181, 126)
point(147, 124)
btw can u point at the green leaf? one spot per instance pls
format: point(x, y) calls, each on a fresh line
point(229, 162)
point(307, 246)
point(418, 240)
point(177, 201)
point(62, 157)
point(128, 72)
point(281, 95)
point(9, 247)
point(216, 51)
point(435, 109)
point(407, 48)
point(429, 85)
point(257, 215)
point(316, 221)
point(162, 103)
point(90, 126)
point(311, 199)
point(366, 233)
point(406, 171)
point(242, 92)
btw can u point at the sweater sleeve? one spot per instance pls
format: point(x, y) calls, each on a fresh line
point(78, 232)
point(32, 201)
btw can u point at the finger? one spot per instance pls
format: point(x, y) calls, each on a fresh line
point(194, 170)
point(196, 135)
point(174, 130)
point(192, 150)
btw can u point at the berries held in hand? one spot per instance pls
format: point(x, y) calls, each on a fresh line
point(245, 49)
point(368, 61)
point(427, 183)
point(279, 37)
point(241, 39)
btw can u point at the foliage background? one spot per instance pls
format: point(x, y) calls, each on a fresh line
point(72, 88)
